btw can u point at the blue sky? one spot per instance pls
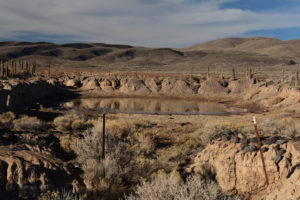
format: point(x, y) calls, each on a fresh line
point(154, 23)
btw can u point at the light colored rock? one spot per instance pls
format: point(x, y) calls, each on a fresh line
point(90, 84)
point(240, 172)
point(25, 173)
point(71, 83)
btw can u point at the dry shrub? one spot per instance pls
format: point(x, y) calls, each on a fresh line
point(71, 121)
point(169, 187)
point(63, 195)
point(102, 175)
point(212, 130)
point(29, 124)
point(118, 128)
point(143, 144)
point(67, 142)
point(6, 120)
point(284, 128)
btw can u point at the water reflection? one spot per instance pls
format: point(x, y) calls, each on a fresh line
point(149, 105)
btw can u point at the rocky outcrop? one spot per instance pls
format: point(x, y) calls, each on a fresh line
point(26, 172)
point(236, 165)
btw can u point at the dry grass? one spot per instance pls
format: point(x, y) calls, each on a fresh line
point(66, 143)
point(71, 121)
point(286, 128)
point(171, 187)
point(59, 195)
point(29, 124)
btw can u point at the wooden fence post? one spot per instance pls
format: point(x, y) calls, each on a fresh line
point(103, 135)
point(49, 72)
point(207, 75)
point(297, 78)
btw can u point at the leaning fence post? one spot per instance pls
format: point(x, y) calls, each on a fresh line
point(261, 152)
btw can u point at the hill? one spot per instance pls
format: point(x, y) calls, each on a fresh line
point(218, 54)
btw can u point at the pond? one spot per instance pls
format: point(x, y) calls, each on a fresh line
point(150, 105)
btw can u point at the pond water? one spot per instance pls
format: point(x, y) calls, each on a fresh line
point(150, 105)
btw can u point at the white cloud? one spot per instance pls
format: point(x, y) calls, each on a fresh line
point(138, 22)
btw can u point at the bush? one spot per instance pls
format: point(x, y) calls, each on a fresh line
point(285, 128)
point(66, 142)
point(71, 121)
point(102, 175)
point(169, 187)
point(6, 120)
point(29, 124)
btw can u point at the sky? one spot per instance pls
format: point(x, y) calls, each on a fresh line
point(152, 23)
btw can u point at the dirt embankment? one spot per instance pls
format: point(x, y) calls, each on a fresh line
point(243, 91)
point(28, 170)
point(236, 165)
point(19, 94)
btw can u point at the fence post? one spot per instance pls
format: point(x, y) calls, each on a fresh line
point(103, 135)
point(261, 152)
point(49, 73)
point(297, 78)
point(207, 73)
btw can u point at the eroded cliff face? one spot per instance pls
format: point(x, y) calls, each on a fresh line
point(15, 93)
point(237, 167)
point(264, 92)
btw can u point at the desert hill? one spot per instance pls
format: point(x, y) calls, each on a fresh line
point(258, 45)
point(221, 53)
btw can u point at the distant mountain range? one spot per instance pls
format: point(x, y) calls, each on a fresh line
point(221, 53)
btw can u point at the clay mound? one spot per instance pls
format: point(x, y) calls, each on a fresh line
point(153, 85)
point(167, 85)
point(181, 87)
point(108, 85)
point(70, 83)
point(24, 173)
point(90, 84)
point(212, 88)
point(53, 81)
point(237, 168)
point(134, 86)
point(240, 86)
